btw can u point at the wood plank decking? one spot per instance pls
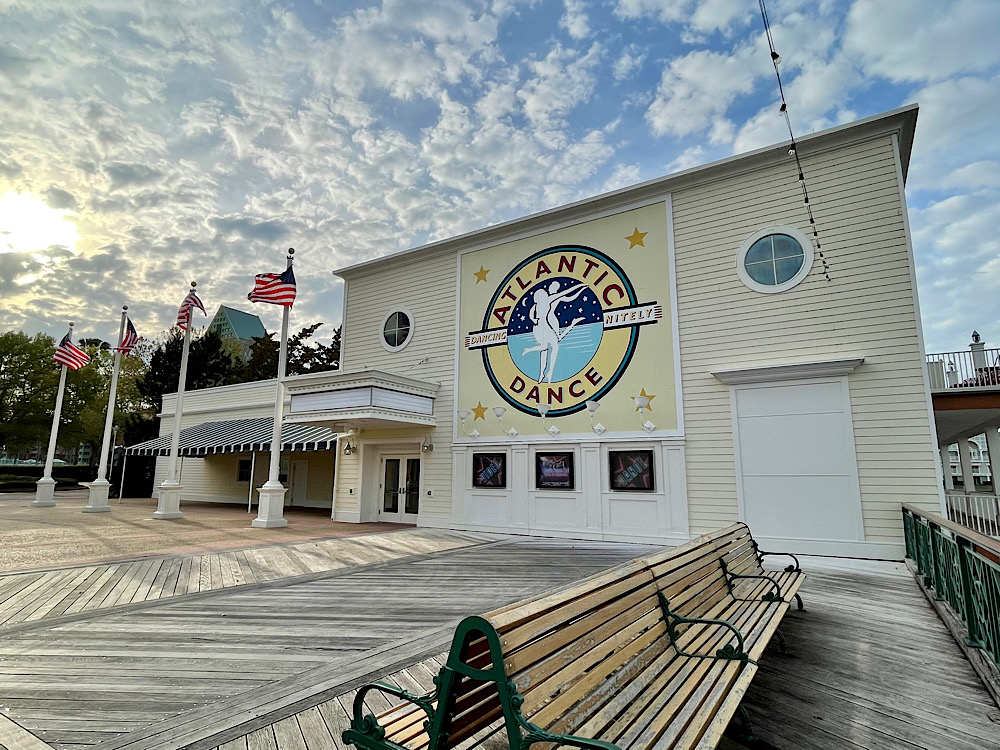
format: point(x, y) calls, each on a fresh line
point(869, 666)
point(274, 665)
point(37, 595)
point(172, 673)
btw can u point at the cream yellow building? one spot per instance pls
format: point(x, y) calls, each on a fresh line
point(652, 363)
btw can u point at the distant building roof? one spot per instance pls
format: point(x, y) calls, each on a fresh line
point(241, 325)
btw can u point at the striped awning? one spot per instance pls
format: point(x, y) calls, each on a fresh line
point(239, 436)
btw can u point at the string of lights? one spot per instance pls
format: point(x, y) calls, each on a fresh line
point(793, 149)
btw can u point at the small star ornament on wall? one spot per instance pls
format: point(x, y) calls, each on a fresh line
point(645, 399)
point(636, 238)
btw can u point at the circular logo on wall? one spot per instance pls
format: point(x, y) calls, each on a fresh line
point(561, 330)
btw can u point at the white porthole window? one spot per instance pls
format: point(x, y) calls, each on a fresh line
point(774, 259)
point(397, 329)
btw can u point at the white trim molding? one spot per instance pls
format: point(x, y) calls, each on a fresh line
point(411, 328)
point(808, 255)
point(792, 371)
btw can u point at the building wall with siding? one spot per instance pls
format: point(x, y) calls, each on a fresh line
point(427, 289)
point(866, 309)
point(214, 479)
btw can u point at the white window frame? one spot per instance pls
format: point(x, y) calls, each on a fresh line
point(808, 256)
point(381, 329)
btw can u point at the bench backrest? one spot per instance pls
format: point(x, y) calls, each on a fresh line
point(568, 653)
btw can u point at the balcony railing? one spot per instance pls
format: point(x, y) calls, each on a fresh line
point(962, 568)
point(977, 512)
point(969, 369)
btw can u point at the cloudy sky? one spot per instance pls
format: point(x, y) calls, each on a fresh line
point(147, 143)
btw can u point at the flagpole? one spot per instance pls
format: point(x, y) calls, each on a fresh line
point(168, 503)
point(97, 501)
point(45, 488)
point(271, 504)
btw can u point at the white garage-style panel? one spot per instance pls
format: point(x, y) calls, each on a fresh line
point(795, 461)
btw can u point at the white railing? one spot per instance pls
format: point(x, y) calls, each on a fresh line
point(978, 512)
point(969, 369)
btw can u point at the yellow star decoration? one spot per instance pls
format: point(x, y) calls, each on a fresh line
point(636, 238)
point(479, 411)
point(646, 395)
point(481, 274)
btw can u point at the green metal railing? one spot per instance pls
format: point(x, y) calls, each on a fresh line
point(963, 568)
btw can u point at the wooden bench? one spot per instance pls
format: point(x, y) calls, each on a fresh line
point(655, 653)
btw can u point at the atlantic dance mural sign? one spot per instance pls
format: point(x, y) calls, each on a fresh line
point(570, 322)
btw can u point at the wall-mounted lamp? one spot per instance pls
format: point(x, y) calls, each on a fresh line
point(592, 407)
point(464, 414)
point(349, 447)
point(543, 409)
point(427, 447)
point(498, 412)
point(642, 403)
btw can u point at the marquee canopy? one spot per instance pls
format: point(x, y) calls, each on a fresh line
point(238, 436)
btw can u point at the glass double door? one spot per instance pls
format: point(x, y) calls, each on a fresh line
point(400, 489)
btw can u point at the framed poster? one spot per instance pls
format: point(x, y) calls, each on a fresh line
point(489, 470)
point(632, 471)
point(554, 471)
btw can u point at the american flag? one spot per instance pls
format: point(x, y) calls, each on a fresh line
point(67, 353)
point(129, 340)
point(278, 289)
point(184, 312)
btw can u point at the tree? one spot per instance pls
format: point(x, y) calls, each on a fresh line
point(29, 379)
point(303, 357)
point(210, 363)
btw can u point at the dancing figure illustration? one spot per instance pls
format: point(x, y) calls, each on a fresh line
point(548, 332)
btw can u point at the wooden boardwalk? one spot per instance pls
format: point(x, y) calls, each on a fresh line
point(869, 666)
point(275, 665)
point(37, 595)
point(178, 672)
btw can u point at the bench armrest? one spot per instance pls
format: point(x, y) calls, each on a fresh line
point(366, 727)
point(727, 652)
point(533, 734)
point(767, 597)
point(794, 568)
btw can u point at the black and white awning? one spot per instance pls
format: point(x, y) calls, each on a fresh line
point(239, 436)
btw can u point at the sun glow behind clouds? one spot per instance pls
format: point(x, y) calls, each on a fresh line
point(28, 225)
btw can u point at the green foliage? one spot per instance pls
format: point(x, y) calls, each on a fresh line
point(29, 380)
point(303, 357)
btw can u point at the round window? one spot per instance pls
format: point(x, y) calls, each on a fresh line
point(774, 259)
point(397, 329)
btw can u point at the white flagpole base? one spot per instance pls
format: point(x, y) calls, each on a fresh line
point(168, 501)
point(270, 507)
point(45, 490)
point(97, 501)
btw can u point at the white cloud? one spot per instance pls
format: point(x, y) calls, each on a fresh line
point(630, 60)
point(561, 81)
point(923, 40)
point(695, 15)
point(691, 157)
point(574, 20)
point(697, 89)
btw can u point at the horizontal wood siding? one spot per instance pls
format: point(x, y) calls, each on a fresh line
point(427, 289)
point(213, 479)
point(243, 401)
point(866, 310)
